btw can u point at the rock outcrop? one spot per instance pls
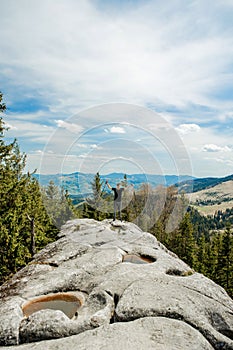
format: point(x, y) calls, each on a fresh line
point(105, 286)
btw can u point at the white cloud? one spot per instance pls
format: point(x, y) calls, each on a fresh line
point(227, 115)
point(82, 145)
point(88, 146)
point(28, 131)
point(185, 129)
point(216, 148)
point(116, 130)
point(95, 146)
point(85, 155)
point(74, 128)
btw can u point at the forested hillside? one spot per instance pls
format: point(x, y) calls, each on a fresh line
point(199, 184)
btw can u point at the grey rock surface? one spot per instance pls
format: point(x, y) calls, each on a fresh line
point(152, 333)
point(157, 304)
point(11, 316)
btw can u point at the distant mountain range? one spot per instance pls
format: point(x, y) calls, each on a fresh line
point(205, 194)
point(78, 182)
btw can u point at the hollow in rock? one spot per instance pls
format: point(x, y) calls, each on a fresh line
point(138, 259)
point(66, 302)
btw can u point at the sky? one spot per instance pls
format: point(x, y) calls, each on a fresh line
point(119, 86)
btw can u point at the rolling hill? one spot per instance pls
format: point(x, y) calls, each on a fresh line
point(211, 199)
point(198, 184)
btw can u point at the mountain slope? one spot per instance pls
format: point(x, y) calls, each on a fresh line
point(199, 184)
point(210, 200)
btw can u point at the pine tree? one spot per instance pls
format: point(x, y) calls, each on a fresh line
point(96, 200)
point(185, 243)
point(12, 182)
point(224, 265)
point(52, 191)
point(96, 187)
point(125, 181)
point(227, 257)
point(24, 224)
point(2, 105)
point(201, 255)
point(158, 231)
point(38, 218)
point(58, 204)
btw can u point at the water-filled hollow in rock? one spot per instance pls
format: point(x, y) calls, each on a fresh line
point(66, 302)
point(138, 259)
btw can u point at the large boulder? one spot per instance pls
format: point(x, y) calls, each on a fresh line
point(131, 293)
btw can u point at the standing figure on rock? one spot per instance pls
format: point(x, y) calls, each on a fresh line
point(118, 190)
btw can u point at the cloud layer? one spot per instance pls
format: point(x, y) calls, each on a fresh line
point(154, 51)
point(60, 57)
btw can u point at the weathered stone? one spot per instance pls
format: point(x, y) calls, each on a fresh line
point(160, 304)
point(45, 324)
point(150, 333)
point(11, 316)
point(168, 297)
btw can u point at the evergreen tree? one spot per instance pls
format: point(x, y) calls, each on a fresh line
point(97, 205)
point(11, 185)
point(96, 188)
point(2, 105)
point(96, 195)
point(52, 191)
point(227, 258)
point(24, 223)
point(37, 216)
point(125, 181)
point(185, 245)
point(200, 265)
point(159, 232)
point(224, 266)
point(58, 204)
point(212, 256)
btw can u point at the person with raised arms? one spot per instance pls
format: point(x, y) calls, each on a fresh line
point(118, 190)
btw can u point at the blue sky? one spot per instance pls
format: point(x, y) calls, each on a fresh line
point(60, 60)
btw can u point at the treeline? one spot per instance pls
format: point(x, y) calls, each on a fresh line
point(210, 223)
point(29, 218)
point(206, 251)
point(196, 239)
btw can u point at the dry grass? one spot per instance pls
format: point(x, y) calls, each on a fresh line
point(220, 195)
